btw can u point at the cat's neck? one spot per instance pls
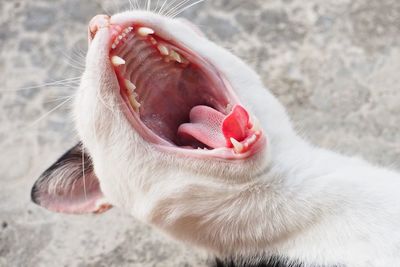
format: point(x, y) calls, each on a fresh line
point(313, 199)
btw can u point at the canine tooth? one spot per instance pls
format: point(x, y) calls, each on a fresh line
point(163, 50)
point(175, 56)
point(144, 31)
point(130, 86)
point(238, 147)
point(117, 61)
point(135, 104)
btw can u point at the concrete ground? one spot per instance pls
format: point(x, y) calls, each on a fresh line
point(335, 64)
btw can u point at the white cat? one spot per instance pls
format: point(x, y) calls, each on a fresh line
point(184, 136)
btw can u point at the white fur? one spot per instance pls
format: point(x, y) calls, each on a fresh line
point(295, 200)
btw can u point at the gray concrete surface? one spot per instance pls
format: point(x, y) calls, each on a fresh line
point(335, 64)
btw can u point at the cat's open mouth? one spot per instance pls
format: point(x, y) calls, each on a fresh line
point(178, 101)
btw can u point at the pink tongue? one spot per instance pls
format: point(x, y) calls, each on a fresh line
point(214, 129)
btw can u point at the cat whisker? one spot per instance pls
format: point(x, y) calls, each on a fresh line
point(72, 60)
point(134, 5)
point(80, 53)
point(167, 7)
point(176, 7)
point(156, 6)
point(162, 7)
point(74, 66)
point(139, 4)
point(59, 99)
point(186, 8)
point(48, 113)
point(77, 59)
point(60, 83)
point(130, 5)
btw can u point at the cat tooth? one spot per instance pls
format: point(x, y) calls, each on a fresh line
point(163, 50)
point(113, 46)
point(130, 86)
point(144, 31)
point(135, 104)
point(256, 124)
point(175, 56)
point(237, 146)
point(153, 41)
point(117, 61)
point(252, 139)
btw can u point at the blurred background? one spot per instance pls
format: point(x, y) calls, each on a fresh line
point(335, 64)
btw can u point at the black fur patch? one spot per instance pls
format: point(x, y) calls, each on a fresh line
point(271, 262)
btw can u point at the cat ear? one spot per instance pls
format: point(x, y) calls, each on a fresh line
point(70, 185)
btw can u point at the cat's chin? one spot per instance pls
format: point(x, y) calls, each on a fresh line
point(174, 99)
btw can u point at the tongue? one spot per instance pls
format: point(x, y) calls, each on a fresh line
point(214, 129)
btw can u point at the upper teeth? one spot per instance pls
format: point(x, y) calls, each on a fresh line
point(117, 61)
point(135, 104)
point(132, 95)
point(176, 56)
point(163, 50)
point(144, 31)
point(120, 37)
point(127, 30)
point(130, 86)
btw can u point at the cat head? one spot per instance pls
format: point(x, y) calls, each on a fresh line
point(160, 109)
